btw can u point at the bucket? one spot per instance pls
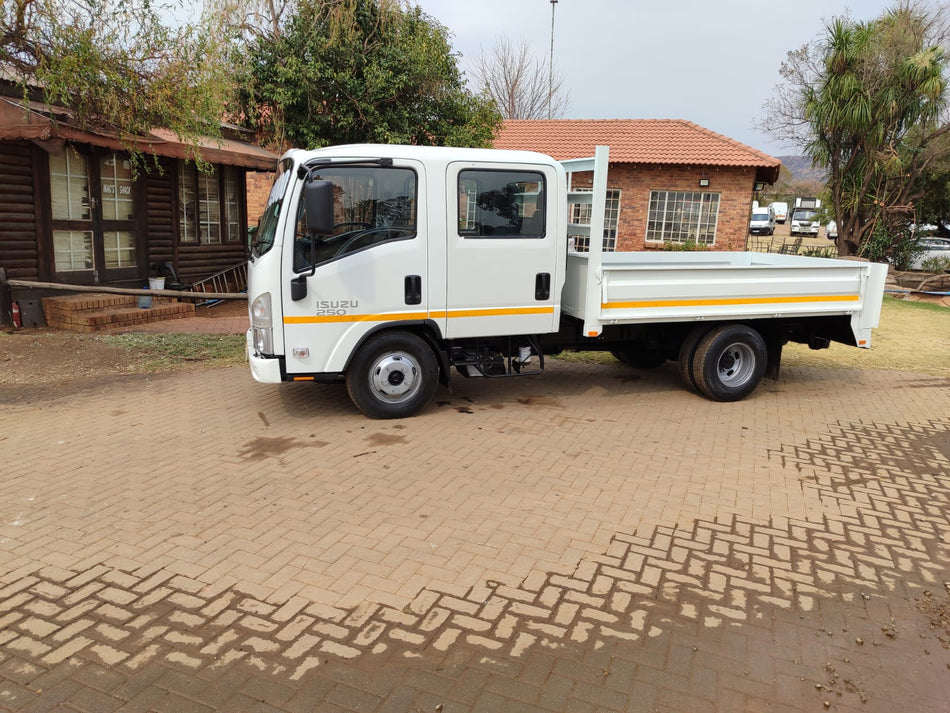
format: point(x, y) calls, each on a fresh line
point(156, 283)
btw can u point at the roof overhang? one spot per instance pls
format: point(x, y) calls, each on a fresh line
point(32, 121)
point(767, 174)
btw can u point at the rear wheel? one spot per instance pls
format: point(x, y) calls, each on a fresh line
point(393, 375)
point(687, 352)
point(729, 362)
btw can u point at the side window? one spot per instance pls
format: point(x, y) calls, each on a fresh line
point(501, 204)
point(371, 206)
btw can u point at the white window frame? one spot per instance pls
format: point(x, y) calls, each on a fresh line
point(580, 215)
point(683, 216)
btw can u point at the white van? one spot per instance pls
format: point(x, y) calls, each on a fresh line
point(763, 221)
point(781, 211)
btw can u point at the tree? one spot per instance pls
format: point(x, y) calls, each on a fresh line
point(252, 18)
point(116, 67)
point(867, 103)
point(933, 189)
point(519, 83)
point(345, 71)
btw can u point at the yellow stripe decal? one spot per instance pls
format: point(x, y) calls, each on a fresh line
point(495, 312)
point(724, 301)
point(323, 319)
point(434, 314)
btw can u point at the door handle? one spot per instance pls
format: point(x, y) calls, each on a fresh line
point(542, 286)
point(413, 289)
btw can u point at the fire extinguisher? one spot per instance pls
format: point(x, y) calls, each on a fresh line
point(17, 320)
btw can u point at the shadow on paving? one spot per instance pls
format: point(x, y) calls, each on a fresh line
point(727, 615)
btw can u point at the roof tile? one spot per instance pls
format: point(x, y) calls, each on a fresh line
point(651, 141)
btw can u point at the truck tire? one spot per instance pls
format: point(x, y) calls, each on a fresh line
point(394, 375)
point(687, 353)
point(729, 362)
point(639, 358)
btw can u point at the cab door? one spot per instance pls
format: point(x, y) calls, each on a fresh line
point(371, 270)
point(502, 253)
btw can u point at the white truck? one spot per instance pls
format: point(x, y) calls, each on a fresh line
point(805, 219)
point(781, 211)
point(387, 266)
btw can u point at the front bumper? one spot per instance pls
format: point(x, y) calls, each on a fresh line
point(264, 369)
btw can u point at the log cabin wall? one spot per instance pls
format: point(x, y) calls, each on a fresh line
point(19, 213)
point(161, 229)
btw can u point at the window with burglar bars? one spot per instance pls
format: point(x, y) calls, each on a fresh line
point(682, 216)
point(580, 215)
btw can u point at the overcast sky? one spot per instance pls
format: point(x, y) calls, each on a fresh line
point(713, 62)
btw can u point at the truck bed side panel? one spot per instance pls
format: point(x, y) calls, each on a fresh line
point(673, 287)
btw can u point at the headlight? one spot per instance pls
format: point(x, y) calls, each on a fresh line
point(262, 332)
point(261, 311)
point(263, 340)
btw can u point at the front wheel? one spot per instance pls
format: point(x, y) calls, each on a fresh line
point(729, 362)
point(394, 375)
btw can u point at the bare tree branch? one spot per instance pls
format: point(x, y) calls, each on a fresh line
point(519, 82)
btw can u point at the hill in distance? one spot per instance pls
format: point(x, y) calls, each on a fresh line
point(801, 169)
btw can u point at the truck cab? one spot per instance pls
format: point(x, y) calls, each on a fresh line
point(805, 218)
point(762, 221)
point(437, 246)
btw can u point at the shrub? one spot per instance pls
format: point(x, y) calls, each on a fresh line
point(899, 247)
point(687, 246)
point(938, 263)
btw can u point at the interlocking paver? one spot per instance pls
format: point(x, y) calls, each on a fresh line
point(577, 542)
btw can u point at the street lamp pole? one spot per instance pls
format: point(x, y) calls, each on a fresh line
point(551, 61)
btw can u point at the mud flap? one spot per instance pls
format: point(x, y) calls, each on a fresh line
point(773, 365)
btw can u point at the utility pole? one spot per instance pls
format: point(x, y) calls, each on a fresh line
point(551, 61)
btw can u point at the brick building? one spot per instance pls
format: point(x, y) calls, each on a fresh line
point(670, 181)
point(258, 189)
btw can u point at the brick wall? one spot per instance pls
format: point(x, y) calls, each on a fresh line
point(734, 186)
point(258, 188)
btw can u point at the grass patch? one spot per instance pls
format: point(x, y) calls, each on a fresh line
point(152, 353)
point(587, 357)
point(913, 336)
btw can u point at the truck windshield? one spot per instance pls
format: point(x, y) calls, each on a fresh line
point(372, 205)
point(804, 214)
point(263, 236)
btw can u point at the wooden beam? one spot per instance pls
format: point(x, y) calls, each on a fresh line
point(181, 294)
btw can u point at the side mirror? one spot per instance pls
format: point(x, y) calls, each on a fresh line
point(318, 200)
point(298, 288)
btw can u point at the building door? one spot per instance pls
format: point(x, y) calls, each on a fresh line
point(93, 208)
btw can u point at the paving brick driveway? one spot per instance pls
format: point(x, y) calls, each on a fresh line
point(592, 540)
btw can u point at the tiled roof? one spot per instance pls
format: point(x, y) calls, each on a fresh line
point(652, 141)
